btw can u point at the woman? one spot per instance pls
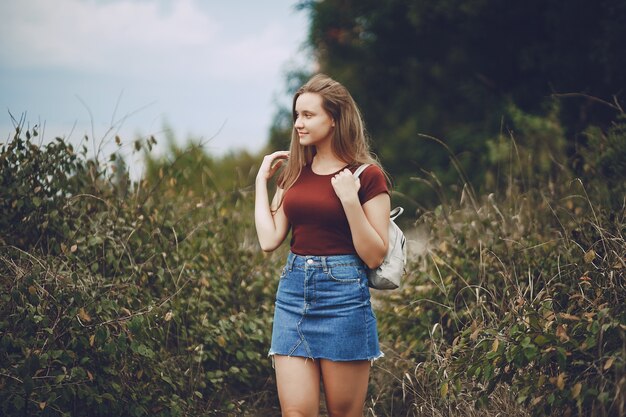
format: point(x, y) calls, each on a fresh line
point(324, 327)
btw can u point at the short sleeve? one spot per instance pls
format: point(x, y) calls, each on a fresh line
point(373, 182)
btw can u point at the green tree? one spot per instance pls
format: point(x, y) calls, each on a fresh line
point(451, 69)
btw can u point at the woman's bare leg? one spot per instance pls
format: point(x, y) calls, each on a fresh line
point(345, 387)
point(298, 383)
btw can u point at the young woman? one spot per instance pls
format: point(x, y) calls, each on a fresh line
point(324, 327)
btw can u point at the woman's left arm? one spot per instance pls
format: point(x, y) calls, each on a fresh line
point(369, 223)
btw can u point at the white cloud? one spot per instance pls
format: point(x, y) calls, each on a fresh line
point(88, 35)
point(254, 55)
point(136, 38)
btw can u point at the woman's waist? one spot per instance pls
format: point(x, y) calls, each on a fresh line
point(323, 261)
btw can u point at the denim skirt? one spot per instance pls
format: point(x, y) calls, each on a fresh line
point(323, 310)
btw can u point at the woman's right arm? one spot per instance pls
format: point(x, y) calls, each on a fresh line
point(270, 220)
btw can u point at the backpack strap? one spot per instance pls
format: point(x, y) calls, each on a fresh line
point(396, 212)
point(359, 170)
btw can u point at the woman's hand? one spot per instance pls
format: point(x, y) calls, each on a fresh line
point(268, 168)
point(346, 186)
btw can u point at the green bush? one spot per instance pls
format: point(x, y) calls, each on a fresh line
point(35, 184)
point(524, 288)
point(602, 161)
point(125, 299)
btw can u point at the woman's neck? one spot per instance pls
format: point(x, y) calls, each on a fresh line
point(325, 162)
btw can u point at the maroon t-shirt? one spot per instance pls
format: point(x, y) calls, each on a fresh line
point(319, 225)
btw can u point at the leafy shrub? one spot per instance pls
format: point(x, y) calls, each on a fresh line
point(523, 289)
point(125, 299)
point(35, 183)
point(602, 161)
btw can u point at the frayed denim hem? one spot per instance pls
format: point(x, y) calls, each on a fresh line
point(381, 355)
point(271, 355)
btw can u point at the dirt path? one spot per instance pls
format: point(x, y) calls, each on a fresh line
point(417, 239)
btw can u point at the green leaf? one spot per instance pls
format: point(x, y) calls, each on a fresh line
point(107, 396)
point(541, 340)
point(492, 355)
point(531, 352)
point(145, 351)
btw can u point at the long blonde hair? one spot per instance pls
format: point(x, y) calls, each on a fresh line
point(350, 142)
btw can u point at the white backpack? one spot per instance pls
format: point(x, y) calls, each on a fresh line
point(389, 274)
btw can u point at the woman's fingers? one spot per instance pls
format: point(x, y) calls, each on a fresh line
point(346, 177)
point(345, 185)
point(268, 167)
point(278, 155)
point(275, 167)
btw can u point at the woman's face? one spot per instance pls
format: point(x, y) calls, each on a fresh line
point(313, 124)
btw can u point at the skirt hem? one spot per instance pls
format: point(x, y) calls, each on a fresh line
point(372, 359)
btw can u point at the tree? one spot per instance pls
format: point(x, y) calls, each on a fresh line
point(452, 69)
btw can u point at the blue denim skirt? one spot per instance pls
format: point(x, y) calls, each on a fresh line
point(323, 310)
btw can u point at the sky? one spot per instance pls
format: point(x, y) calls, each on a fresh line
point(213, 70)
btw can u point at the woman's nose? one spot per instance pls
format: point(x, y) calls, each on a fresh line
point(298, 123)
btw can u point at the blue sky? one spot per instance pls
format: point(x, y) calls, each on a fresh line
point(208, 69)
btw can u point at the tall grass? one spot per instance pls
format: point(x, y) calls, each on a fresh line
point(517, 306)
